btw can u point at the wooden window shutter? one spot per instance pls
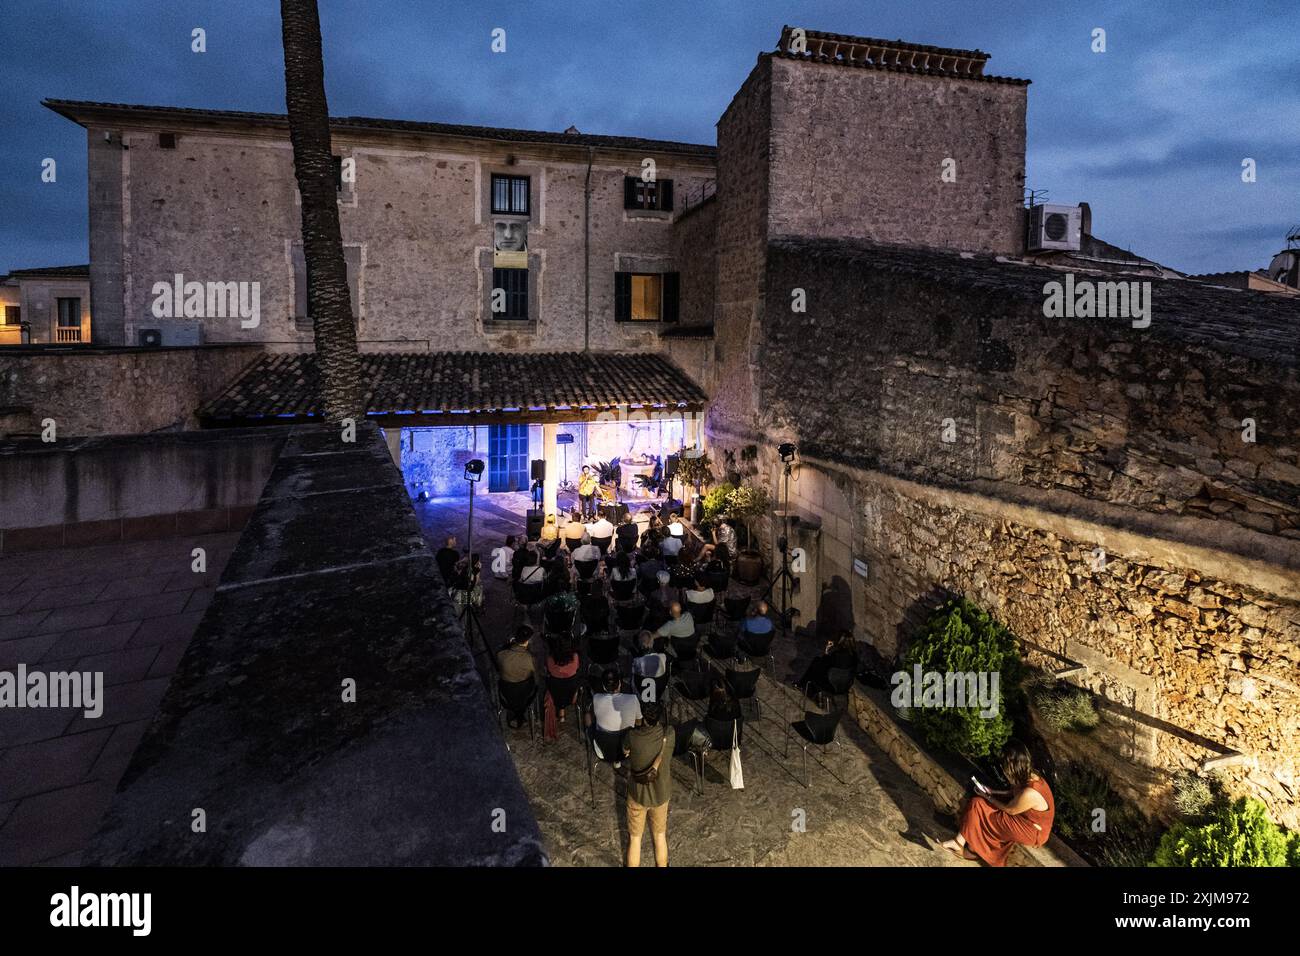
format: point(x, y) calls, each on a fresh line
point(629, 193)
point(672, 285)
point(666, 195)
point(623, 296)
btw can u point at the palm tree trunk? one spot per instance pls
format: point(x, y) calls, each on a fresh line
point(328, 300)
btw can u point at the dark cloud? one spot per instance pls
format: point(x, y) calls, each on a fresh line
point(668, 70)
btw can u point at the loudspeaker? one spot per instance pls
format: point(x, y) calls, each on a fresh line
point(614, 512)
point(670, 467)
point(539, 469)
point(671, 507)
point(535, 518)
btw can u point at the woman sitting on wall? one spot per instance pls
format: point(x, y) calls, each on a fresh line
point(996, 820)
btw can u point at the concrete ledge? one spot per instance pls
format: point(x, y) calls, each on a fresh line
point(870, 708)
point(330, 582)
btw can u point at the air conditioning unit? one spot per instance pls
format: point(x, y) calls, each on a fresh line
point(171, 334)
point(1055, 227)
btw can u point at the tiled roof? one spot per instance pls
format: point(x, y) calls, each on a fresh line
point(481, 382)
point(897, 56)
point(1258, 325)
point(72, 272)
point(85, 112)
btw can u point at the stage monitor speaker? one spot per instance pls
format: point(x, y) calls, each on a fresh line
point(671, 507)
point(614, 512)
point(670, 467)
point(539, 469)
point(535, 519)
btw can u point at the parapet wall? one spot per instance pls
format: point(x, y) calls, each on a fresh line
point(327, 711)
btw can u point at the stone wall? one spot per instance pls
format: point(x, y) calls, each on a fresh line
point(1138, 418)
point(117, 391)
point(84, 491)
point(859, 153)
point(1194, 651)
point(695, 251)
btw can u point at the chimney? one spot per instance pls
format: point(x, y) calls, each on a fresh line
point(1085, 218)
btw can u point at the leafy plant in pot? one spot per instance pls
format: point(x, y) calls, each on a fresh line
point(697, 472)
point(746, 503)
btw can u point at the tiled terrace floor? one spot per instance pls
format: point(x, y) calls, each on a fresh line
point(127, 610)
point(859, 810)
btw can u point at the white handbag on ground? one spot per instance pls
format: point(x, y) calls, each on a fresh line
point(737, 775)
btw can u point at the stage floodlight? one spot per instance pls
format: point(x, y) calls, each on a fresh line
point(787, 451)
point(474, 470)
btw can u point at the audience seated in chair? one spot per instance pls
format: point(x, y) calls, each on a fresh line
point(679, 624)
point(841, 653)
point(613, 711)
point(561, 684)
point(515, 665)
point(627, 534)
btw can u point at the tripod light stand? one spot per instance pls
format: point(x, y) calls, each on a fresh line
point(787, 452)
point(469, 613)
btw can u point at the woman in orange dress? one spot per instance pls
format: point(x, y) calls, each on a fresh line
point(996, 820)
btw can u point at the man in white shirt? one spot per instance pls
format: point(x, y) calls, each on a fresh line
point(587, 551)
point(680, 623)
point(649, 662)
point(613, 712)
point(699, 593)
point(675, 527)
point(603, 528)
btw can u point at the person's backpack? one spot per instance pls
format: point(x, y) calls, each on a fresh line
point(651, 773)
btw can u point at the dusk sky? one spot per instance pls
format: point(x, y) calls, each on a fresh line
point(1152, 132)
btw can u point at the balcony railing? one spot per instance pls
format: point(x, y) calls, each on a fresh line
point(70, 333)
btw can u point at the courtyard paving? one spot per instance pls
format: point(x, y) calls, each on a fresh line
point(125, 610)
point(859, 810)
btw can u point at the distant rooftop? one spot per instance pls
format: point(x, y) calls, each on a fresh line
point(1258, 325)
point(52, 272)
point(88, 113)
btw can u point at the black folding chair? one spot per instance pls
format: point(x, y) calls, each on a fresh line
point(815, 730)
point(692, 685)
point(528, 596)
point(702, 613)
point(603, 650)
point(720, 734)
point(519, 700)
point(838, 682)
point(744, 686)
point(686, 650)
point(758, 647)
point(721, 646)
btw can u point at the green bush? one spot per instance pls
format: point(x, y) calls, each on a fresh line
point(715, 502)
point(1238, 835)
point(962, 638)
point(1069, 708)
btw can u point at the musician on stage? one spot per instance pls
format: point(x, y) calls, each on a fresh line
point(588, 484)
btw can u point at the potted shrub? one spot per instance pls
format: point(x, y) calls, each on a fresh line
point(744, 504)
point(697, 472)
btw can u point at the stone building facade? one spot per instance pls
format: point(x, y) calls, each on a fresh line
point(211, 195)
point(1127, 499)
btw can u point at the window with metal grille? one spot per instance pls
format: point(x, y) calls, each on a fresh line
point(510, 195)
point(639, 194)
point(510, 293)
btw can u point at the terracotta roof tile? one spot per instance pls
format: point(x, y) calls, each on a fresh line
point(483, 382)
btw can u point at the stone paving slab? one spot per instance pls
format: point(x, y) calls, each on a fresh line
point(125, 610)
